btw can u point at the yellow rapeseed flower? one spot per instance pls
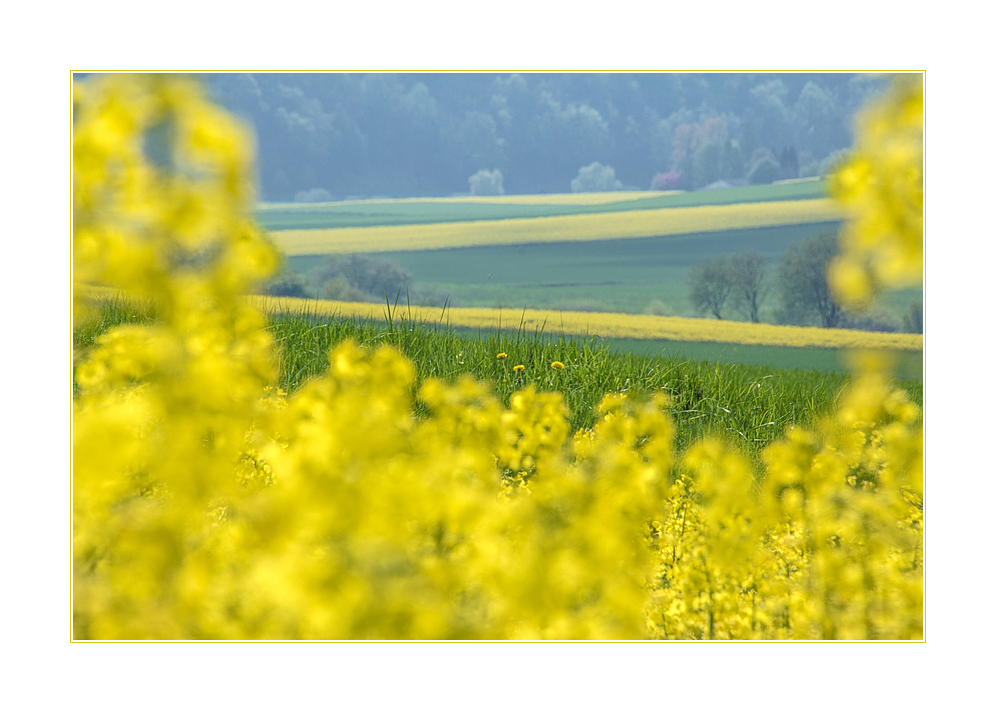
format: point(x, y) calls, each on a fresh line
point(209, 504)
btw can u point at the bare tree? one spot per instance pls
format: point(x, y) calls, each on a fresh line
point(749, 286)
point(709, 285)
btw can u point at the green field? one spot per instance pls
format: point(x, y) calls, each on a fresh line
point(373, 212)
point(627, 275)
point(907, 365)
point(623, 275)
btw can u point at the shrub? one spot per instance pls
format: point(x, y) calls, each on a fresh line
point(658, 308)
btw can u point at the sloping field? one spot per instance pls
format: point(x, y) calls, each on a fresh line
point(609, 326)
point(583, 227)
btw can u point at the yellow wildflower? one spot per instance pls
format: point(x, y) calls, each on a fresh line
point(502, 355)
point(557, 365)
point(519, 367)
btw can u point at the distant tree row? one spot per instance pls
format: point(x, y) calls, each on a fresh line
point(343, 135)
point(355, 278)
point(741, 282)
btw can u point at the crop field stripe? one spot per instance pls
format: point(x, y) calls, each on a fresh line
point(607, 325)
point(593, 226)
point(540, 199)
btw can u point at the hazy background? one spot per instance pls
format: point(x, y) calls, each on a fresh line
point(325, 136)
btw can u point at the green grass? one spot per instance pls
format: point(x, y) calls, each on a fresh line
point(750, 404)
point(368, 213)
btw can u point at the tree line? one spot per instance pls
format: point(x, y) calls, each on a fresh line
point(742, 283)
point(324, 136)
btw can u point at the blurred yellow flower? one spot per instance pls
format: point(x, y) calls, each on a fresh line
point(557, 365)
point(502, 355)
point(519, 367)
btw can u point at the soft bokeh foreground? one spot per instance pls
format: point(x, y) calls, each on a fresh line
point(208, 504)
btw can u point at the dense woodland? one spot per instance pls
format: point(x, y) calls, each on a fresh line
point(328, 136)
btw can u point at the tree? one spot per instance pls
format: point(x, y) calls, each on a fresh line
point(749, 288)
point(286, 283)
point(707, 164)
point(789, 161)
point(355, 277)
point(595, 177)
point(709, 285)
point(802, 277)
point(486, 183)
point(765, 170)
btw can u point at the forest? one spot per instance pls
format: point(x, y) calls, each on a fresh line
point(333, 136)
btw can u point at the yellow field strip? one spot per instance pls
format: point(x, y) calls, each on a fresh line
point(620, 326)
point(601, 324)
point(592, 226)
point(539, 199)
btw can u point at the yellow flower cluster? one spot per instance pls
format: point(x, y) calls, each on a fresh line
point(826, 545)
point(883, 184)
point(208, 504)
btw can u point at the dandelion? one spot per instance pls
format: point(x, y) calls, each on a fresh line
point(519, 367)
point(557, 365)
point(502, 355)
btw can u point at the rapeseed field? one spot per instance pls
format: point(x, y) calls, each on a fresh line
point(608, 325)
point(558, 228)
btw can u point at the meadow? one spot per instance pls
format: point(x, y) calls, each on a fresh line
point(751, 404)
